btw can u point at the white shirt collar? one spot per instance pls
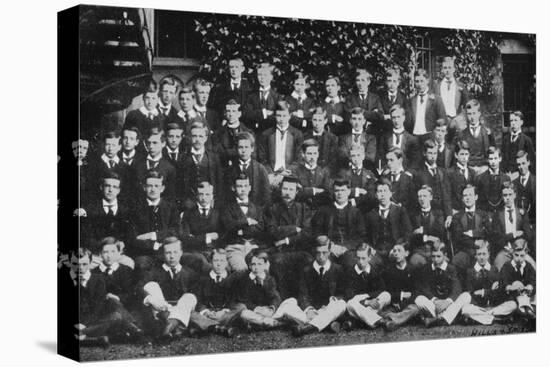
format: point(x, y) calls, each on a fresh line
point(526, 176)
point(106, 159)
point(434, 166)
point(239, 201)
point(426, 210)
point(203, 207)
point(130, 156)
point(252, 276)
point(356, 132)
point(317, 134)
point(153, 203)
point(495, 172)
point(309, 167)
point(338, 206)
point(103, 268)
point(295, 95)
point(213, 275)
point(359, 271)
point(200, 108)
point(401, 267)
point(235, 81)
point(113, 205)
point(442, 266)
point(194, 152)
point(399, 131)
point(162, 106)
point(156, 159)
point(470, 210)
point(146, 112)
point(326, 267)
point(85, 278)
point(460, 166)
point(334, 100)
point(190, 113)
point(266, 89)
point(169, 269)
point(235, 125)
point(478, 267)
point(169, 150)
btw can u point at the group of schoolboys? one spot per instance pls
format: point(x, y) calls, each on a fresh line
point(247, 208)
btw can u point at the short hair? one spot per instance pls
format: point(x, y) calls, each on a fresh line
point(429, 144)
point(520, 244)
point(318, 110)
point(493, 150)
point(173, 126)
point(341, 182)
point(199, 125)
point(365, 247)
point(300, 75)
point(233, 102)
point(393, 72)
point(427, 188)
point(204, 185)
point(110, 175)
point(156, 130)
point(357, 111)
point(265, 66)
point(382, 181)
point(153, 174)
point(481, 244)
point(200, 82)
point(365, 72)
point(245, 135)
point(422, 73)
point(356, 147)
point(309, 143)
point(131, 128)
point(219, 251)
point(402, 242)
point(282, 106)
point(238, 59)
point(439, 245)
point(170, 240)
point(397, 151)
point(186, 90)
point(239, 177)
point(472, 103)
point(469, 186)
point(110, 240)
point(335, 78)
point(291, 179)
point(397, 107)
point(521, 154)
point(168, 80)
point(152, 87)
point(518, 114)
point(447, 59)
point(257, 253)
point(110, 135)
point(441, 123)
point(508, 184)
point(83, 252)
point(322, 240)
point(462, 145)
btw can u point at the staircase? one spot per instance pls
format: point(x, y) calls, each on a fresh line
point(115, 58)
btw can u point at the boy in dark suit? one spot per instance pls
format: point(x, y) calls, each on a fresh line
point(439, 294)
point(460, 175)
point(368, 101)
point(489, 183)
point(244, 224)
point(513, 142)
point(386, 224)
point(425, 108)
point(321, 294)
point(301, 106)
point(147, 116)
point(206, 114)
point(428, 226)
point(342, 223)
point(358, 136)
point(188, 115)
point(175, 148)
point(328, 142)
point(445, 148)
point(167, 290)
point(390, 97)
point(518, 279)
point(526, 187)
point(154, 219)
point(279, 146)
point(334, 106)
point(365, 289)
point(482, 281)
point(245, 163)
point(400, 138)
point(314, 179)
point(261, 103)
point(132, 150)
point(452, 92)
point(234, 88)
point(402, 182)
point(167, 94)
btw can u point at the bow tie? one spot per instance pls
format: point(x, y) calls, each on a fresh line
point(152, 162)
point(243, 204)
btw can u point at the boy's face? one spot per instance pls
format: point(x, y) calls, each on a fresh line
point(187, 101)
point(288, 191)
point(318, 121)
point(357, 122)
point(322, 254)
point(244, 149)
point(300, 85)
point(311, 155)
point(357, 157)
point(362, 259)
point(439, 133)
point(482, 255)
point(154, 145)
point(392, 82)
point(420, 83)
point(172, 254)
point(219, 263)
point(509, 197)
point(332, 88)
point(473, 114)
point(430, 154)
point(519, 256)
point(167, 94)
point(362, 82)
point(258, 266)
point(174, 138)
point(469, 197)
point(383, 195)
point(515, 123)
point(462, 157)
point(242, 189)
point(236, 69)
point(397, 119)
point(112, 147)
point(83, 265)
point(205, 195)
point(203, 92)
point(264, 77)
point(110, 189)
point(424, 198)
point(398, 253)
point(438, 257)
point(80, 148)
point(129, 140)
point(198, 138)
point(150, 101)
point(110, 254)
point(494, 160)
point(523, 165)
point(282, 117)
point(153, 188)
point(394, 164)
point(232, 113)
point(448, 69)
point(341, 194)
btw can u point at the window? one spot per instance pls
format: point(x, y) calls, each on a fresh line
point(175, 36)
point(424, 57)
point(518, 76)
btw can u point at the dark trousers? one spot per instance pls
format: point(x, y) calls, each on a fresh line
point(286, 267)
point(224, 319)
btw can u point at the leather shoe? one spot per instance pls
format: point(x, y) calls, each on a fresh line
point(171, 324)
point(301, 330)
point(348, 325)
point(430, 321)
point(530, 314)
point(335, 327)
point(390, 325)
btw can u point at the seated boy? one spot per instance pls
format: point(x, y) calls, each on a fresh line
point(365, 289)
point(518, 280)
point(439, 294)
point(482, 281)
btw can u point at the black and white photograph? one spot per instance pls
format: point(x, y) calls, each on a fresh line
point(235, 183)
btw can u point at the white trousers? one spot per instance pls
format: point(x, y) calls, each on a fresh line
point(439, 307)
point(181, 311)
point(486, 315)
point(368, 315)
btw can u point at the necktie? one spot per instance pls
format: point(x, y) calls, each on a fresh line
point(110, 211)
point(174, 156)
point(164, 111)
point(243, 204)
point(383, 213)
point(153, 208)
point(392, 98)
point(203, 212)
point(218, 278)
point(518, 268)
point(152, 163)
point(463, 172)
point(362, 97)
point(514, 137)
point(243, 167)
point(109, 270)
point(523, 180)
point(449, 82)
point(283, 132)
point(393, 177)
point(397, 139)
point(263, 97)
point(112, 163)
point(151, 116)
point(422, 98)
point(234, 86)
point(258, 282)
point(174, 272)
point(432, 171)
point(364, 275)
point(321, 271)
point(356, 138)
point(197, 157)
point(510, 216)
point(438, 271)
point(300, 100)
point(128, 161)
point(356, 172)
point(473, 131)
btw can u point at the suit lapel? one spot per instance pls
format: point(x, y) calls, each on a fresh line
point(272, 144)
